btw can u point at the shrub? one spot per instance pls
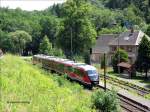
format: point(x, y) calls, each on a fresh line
point(78, 58)
point(147, 96)
point(105, 101)
point(58, 52)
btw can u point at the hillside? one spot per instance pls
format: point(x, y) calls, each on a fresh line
point(61, 21)
point(27, 88)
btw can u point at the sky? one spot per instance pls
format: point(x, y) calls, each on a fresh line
point(29, 5)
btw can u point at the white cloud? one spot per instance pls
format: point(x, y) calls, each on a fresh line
point(29, 4)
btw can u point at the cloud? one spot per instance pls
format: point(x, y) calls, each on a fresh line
point(29, 4)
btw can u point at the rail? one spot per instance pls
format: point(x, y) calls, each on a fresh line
point(130, 105)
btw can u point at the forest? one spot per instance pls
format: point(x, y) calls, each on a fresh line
point(71, 28)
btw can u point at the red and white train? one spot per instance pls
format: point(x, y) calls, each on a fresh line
point(86, 74)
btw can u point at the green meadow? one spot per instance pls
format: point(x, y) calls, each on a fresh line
point(28, 88)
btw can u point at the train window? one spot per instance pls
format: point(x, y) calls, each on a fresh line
point(70, 69)
point(79, 72)
point(61, 67)
point(92, 72)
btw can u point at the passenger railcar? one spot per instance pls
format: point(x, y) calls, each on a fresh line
point(86, 74)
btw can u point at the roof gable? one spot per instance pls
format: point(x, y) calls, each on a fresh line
point(128, 38)
point(102, 43)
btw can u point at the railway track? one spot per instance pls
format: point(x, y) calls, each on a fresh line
point(140, 91)
point(130, 105)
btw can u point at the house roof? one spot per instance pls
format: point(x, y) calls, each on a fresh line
point(125, 65)
point(128, 38)
point(102, 43)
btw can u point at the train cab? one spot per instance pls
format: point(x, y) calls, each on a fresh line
point(91, 73)
point(94, 76)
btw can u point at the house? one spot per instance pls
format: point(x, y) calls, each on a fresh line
point(101, 47)
point(129, 41)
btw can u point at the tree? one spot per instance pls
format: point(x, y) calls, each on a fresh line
point(4, 45)
point(45, 46)
point(143, 59)
point(18, 41)
point(78, 28)
point(148, 31)
point(50, 27)
point(118, 57)
point(118, 3)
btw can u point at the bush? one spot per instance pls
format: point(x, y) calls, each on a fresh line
point(58, 52)
point(105, 101)
point(78, 58)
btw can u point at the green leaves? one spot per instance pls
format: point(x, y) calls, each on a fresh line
point(45, 46)
point(121, 56)
point(18, 41)
point(105, 101)
point(143, 58)
point(77, 27)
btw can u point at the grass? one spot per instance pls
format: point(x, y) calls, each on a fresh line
point(23, 82)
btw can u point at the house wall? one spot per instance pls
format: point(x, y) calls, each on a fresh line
point(97, 58)
point(130, 49)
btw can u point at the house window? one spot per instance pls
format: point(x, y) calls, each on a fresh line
point(129, 49)
point(113, 48)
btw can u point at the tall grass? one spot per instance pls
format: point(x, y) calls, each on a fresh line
point(22, 82)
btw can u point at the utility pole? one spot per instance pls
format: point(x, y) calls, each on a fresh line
point(105, 71)
point(118, 56)
point(71, 42)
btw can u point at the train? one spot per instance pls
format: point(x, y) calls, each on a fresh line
point(81, 72)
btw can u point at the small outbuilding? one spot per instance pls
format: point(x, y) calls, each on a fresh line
point(126, 69)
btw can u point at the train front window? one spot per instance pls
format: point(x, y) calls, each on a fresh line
point(93, 75)
point(92, 72)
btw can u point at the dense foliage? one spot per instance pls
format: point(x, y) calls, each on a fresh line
point(45, 92)
point(118, 57)
point(106, 101)
point(75, 21)
point(143, 58)
point(18, 41)
point(45, 46)
point(77, 25)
